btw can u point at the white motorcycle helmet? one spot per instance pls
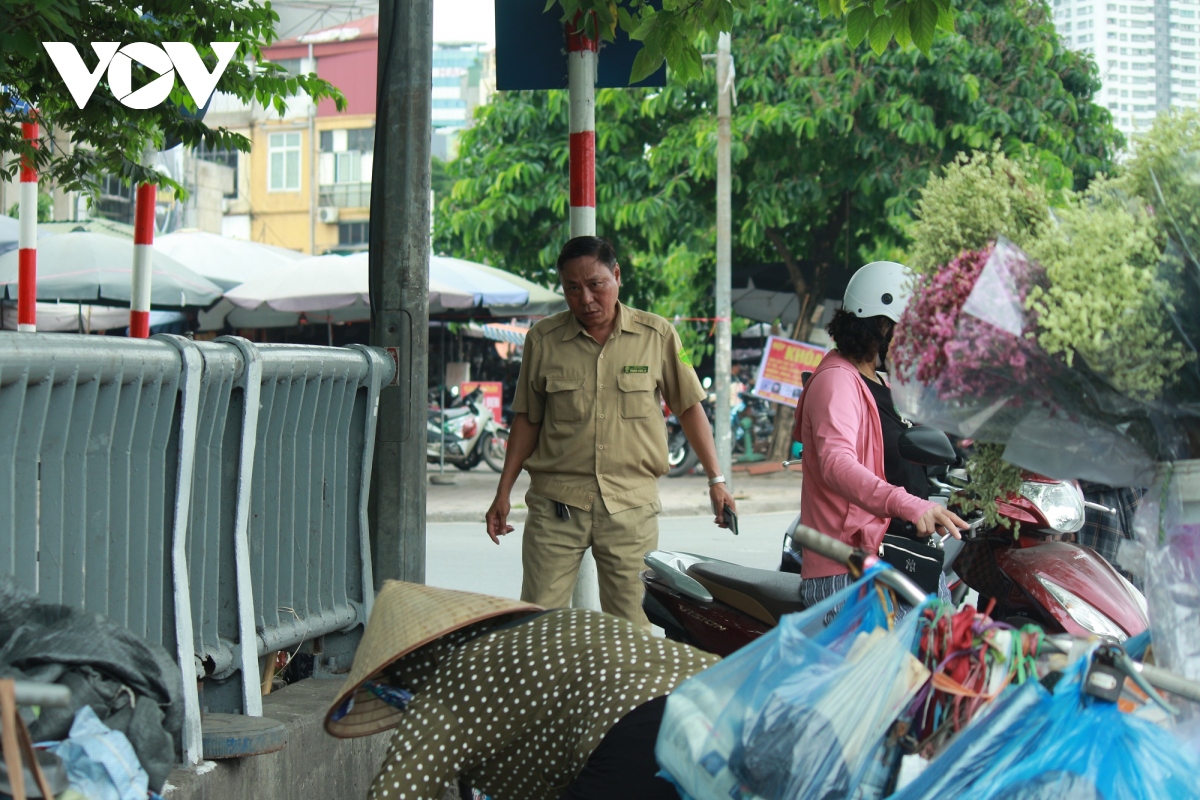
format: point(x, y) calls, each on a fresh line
point(879, 289)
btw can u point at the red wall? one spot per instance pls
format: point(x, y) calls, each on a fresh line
point(354, 73)
point(350, 66)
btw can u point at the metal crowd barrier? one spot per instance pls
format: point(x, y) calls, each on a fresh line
point(203, 494)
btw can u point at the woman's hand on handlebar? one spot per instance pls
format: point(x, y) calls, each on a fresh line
point(940, 520)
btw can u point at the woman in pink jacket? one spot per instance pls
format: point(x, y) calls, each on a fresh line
point(845, 493)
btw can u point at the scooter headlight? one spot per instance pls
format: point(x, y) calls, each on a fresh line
point(1084, 612)
point(1060, 503)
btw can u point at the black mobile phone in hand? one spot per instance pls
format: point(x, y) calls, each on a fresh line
point(730, 519)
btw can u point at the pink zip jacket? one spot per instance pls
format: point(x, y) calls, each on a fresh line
point(844, 493)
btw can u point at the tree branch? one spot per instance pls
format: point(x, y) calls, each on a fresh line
point(799, 284)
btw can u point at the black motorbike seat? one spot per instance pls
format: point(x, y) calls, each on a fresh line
point(764, 594)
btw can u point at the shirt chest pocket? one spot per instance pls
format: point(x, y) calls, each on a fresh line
point(637, 395)
point(565, 399)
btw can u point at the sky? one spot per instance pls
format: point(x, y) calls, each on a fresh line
point(464, 21)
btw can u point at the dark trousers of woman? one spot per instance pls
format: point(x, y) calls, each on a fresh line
point(623, 765)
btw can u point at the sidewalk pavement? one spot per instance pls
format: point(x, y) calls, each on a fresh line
point(468, 499)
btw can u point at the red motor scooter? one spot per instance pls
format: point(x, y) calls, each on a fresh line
point(1034, 577)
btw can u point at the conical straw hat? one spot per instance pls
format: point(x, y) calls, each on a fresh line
point(405, 617)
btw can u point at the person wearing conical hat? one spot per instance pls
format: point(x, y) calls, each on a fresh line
point(517, 702)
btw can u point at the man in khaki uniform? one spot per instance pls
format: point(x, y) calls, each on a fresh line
point(590, 430)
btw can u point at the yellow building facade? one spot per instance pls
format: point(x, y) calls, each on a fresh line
point(308, 182)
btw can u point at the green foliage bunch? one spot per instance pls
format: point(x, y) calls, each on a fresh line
point(1165, 171)
point(991, 478)
point(1104, 301)
point(977, 198)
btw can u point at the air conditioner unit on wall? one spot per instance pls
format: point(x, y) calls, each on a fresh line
point(327, 214)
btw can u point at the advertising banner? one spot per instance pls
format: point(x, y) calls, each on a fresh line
point(783, 362)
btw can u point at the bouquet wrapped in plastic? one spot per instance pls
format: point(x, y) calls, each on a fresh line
point(1078, 353)
point(1167, 556)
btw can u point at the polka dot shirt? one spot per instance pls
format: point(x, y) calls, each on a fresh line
point(518, 711)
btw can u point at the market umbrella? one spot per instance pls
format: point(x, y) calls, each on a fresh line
point(96, 268)
point(225, 261)
point(486, 288)
point(10, 233)
point(83, 318)
point(332, 288)
point(499, 332)
point(542, 301)
point(108, 227)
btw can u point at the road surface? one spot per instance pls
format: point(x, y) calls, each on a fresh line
point(459, 555)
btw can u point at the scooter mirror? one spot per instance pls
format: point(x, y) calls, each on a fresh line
point(927, 446)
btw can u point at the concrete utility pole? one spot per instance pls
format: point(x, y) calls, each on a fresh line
point(400, 284)
point(724, 359)
point(582, 53)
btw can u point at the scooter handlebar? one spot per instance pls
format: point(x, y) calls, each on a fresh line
point(831, 548)
point(819, 543)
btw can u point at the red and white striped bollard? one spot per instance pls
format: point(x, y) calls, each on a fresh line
point(582, 54)
point(143, 255)
point(27, 237)
point(581, 87)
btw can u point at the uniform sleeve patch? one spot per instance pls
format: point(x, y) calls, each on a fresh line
point(637, 369)
point(685, 358)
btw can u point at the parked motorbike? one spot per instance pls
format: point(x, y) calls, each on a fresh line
point(471, 434)
point(750, 420)
point(1061, 586)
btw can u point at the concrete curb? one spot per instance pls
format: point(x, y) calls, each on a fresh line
point(314, 764)
point(745, 507)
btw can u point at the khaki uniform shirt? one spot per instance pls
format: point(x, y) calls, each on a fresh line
point(519, 711)
point(599, 407)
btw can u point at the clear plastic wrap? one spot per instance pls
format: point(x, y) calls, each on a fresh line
point(985, 349)
point(786, 716)
point(1167, 556)
point(1068, 745)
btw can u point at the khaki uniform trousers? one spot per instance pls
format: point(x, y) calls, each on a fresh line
point(551, 549)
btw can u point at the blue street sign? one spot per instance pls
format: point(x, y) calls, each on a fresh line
point(531, 51)
point(16, 105)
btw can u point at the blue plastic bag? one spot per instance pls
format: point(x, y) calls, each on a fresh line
point(787, 714)
point(1034, 745)
point(101, 763)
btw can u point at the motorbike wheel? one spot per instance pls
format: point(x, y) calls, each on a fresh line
point(680, 456)
point(494, 450)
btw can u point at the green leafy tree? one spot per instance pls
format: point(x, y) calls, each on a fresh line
point(671, 32)
point(107, 137)
point(831, 144)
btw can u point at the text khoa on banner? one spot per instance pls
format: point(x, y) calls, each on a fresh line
point(783, 363)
